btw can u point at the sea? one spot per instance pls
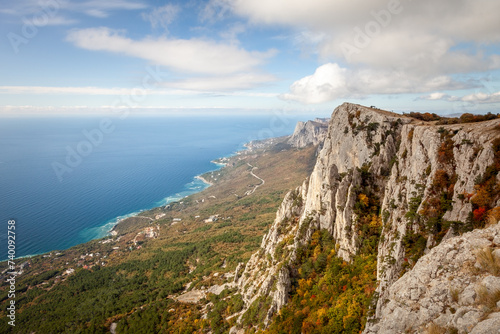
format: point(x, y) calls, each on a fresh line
point(68, 180)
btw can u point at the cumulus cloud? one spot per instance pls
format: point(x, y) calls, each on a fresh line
point(330, 82)
point(393, 46)
point(482, 98)
point(478, 97)
point(438, 96)
point(327, 83)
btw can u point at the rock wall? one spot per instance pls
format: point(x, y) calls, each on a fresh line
point(310, 132)
point(404, 157)
point(410, 185)
point(447, 288)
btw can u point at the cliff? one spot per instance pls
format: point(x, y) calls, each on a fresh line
point(455, 286)
point(399, 187)
point(310, 132)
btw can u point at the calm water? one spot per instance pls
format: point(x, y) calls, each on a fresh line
point(142, 163)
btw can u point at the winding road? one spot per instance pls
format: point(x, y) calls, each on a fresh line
point(249, 192)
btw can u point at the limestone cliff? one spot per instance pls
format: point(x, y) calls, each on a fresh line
point(449, 288)
point(310, 132)
point(424, 176)
point(429, 158)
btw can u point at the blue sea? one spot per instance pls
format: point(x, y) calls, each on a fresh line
point(66, 181)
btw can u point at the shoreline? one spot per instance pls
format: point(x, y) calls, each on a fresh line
point(112, 232)
point(108, 232)
point(173, 198)
point(202, 179)
point(219, 165)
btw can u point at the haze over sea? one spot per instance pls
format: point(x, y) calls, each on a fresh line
point(145, 162)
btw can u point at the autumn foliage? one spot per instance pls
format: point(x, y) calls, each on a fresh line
point(331, 296)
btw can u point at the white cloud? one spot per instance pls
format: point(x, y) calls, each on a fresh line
point(60, 8)
point(194, 56)
point(464, 20)
point(330, 82)
point(482, 98)
point(162, 16)
point(327, 83)
point(478, 97)
point(392, 46)
point(437, 96)
point(37, 90)
point(60, 20)
point(96, 13)
point(102, 9)
point(222, 83)
point(195, 86)
point(215, 10)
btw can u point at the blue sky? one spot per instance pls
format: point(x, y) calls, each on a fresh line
point(248, 56)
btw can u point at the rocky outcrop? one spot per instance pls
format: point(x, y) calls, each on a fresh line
point(427, 156)
point(412, 167)
point(449, 288)
point(265, 273)
point(359, 140)
point(309, 133)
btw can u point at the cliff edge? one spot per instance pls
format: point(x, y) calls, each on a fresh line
point(390, 184)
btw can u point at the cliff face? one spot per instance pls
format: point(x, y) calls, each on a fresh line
point(449, 288)
point(310, 132)
point(425, 178)
point(430, 159)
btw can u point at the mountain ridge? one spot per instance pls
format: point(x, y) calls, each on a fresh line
point(372, 153)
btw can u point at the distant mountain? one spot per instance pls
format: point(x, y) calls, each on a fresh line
point(309, 133)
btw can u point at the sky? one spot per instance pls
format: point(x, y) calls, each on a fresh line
point(67, 57)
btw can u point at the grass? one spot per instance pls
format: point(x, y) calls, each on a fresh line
point(488, 261)
point(487, 298)
point(435, 329)
point(454, 294)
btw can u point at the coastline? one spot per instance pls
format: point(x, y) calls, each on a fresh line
point(107, 229)
point(167, 200)
point(201, 178)
point(219, 162)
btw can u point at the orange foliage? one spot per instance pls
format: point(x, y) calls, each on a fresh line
point(441, 180)
point(479, 213)
point(364, 199)
point(482, 197)
point(445, 152)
